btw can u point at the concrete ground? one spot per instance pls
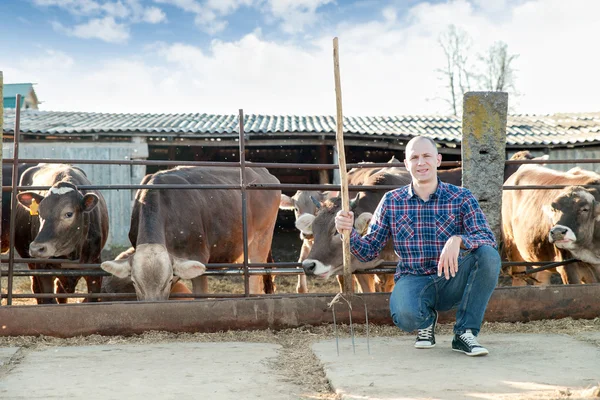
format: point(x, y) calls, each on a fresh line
point(519, 366)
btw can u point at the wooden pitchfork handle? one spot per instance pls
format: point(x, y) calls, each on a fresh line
point(339, 140)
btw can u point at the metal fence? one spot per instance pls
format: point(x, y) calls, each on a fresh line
point(245, 269)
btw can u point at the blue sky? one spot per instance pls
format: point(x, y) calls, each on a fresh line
point(275, 56)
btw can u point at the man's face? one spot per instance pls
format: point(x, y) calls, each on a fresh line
point(422, 161)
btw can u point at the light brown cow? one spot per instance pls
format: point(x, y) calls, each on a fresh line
point(526, 227)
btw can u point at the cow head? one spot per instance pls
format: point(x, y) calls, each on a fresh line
point(302, 202)
point(62, 214)
point(305, 204)
point(573, 215)
point(152, 271)
point(326, 255)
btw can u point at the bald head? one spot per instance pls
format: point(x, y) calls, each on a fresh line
point(412, 142)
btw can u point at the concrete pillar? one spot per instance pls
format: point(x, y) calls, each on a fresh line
point(483, 151)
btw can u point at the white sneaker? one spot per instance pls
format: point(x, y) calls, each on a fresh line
point(467, 343)
point(426, 337)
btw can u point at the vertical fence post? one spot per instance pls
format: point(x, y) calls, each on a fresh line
point(242, 148)
point(483, 151)
point(1, 156)
point(13, 201)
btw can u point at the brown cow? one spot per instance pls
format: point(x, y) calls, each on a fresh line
point(306, 202)
point(526, 227)
point(325, 258)
point(176, 232)
point(68, 223)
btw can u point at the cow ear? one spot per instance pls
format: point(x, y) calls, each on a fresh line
point(286, 203)
point(597, 210)
point(187, 269)
point(88, 202)
point(547, 211)
point(354, 201)
point(316, 202)
point(362, 222)
point(304, 223)
point(27, 198)
point(119, 268)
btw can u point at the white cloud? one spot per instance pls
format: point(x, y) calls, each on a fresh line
point(108, 21)
point(117, 10)
point(154, 15)
point(105, 29)
point(209, 22)
point(78, 7)
point(296, 15)
point(387, 67)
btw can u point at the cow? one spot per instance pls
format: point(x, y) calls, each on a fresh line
point(325, 258)
point(6, 201)
point(113, 284)
point(307, 202)
point(63, 222)
point(176, 232)
point(530, 223)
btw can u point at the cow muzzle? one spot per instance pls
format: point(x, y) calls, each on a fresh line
point(41, 250)
point(315, 267)
point(560, 234)
point(309, 267)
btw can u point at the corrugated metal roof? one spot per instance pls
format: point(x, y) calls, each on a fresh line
point(556, 129)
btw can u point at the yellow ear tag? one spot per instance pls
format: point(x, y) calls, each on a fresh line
point(33, 208)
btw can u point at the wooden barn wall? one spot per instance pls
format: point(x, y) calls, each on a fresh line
point(575, 153)
point(119, 202)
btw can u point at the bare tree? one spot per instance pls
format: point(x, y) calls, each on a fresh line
point(499, 74)
point(456, 44)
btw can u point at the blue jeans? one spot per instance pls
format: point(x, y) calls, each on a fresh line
point(415, 297)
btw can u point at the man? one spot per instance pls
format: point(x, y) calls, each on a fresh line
point(448, 255)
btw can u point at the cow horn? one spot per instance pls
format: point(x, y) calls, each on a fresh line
point(316, 202)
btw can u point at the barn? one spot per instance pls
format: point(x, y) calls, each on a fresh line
point(270, 138)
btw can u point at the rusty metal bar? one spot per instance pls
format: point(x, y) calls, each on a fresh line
point(562, 161)
point(547, 266)
point(242, 151)
point(211, 163)
point(125, 162)
point(13, 202)
point(73, 264)
point(96, 272)
point(274, 165)
point(519, 304)
point(272, 186)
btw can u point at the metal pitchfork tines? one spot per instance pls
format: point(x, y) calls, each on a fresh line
point(348, 300)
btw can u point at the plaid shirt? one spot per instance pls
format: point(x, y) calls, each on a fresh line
point(420, 228)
